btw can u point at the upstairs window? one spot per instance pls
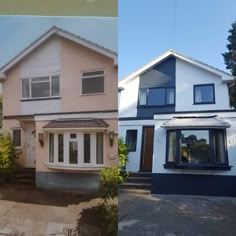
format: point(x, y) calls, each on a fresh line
point(157, 96)
point(204, 94)
point(92, 82)
point(40, 87)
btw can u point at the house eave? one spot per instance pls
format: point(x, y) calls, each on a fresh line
point(57, 31)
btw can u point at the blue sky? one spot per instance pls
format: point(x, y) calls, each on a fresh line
point(146, 30)
point(17, 32)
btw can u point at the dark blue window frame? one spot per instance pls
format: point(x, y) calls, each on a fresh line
point(203, 85)
point(165, 98)
point(213, 164)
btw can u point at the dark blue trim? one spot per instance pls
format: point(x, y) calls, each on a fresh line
point(190, 184)
point(203, 85)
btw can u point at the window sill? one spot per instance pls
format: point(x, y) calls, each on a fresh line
point(197, 167)
point(38, 99)
point(155, 106)
point(203, 103)
point(92, 94)
point(74, 167)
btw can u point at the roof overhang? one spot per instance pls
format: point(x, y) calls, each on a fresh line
point(76, 124)
point(196, 122)
point(65, 34)
point(224, 76)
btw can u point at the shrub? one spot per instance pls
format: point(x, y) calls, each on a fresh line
point(7, 154)
point(123, 159)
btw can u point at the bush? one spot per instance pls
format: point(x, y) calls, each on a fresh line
point(123, 159)
point(7, 154)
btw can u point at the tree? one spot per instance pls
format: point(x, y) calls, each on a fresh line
point(230, 61)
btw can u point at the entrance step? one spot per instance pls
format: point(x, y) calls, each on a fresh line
point(134, 191)
point(24, 176)
point(138, 183)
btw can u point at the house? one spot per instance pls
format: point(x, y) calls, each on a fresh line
point(175, 117)
point(61, 109)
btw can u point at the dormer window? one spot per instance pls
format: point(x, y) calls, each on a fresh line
point(40, 87)
point(92, 82)
point(204, 93)
point(157, 96)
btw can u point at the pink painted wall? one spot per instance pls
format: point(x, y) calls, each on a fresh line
point(76, 59)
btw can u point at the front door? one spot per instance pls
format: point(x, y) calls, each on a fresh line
point(147, 149)
point(31, 135)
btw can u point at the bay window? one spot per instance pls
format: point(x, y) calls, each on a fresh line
point(76, 149)
point(40, 87)
point(196, 148)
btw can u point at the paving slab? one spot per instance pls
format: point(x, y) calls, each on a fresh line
point(173, 215)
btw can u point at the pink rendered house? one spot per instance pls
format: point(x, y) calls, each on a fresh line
point(60, 106)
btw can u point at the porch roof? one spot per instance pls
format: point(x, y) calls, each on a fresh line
point(196, 122)
point(89, 123)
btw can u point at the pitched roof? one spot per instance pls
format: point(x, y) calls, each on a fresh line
point(65, 34)
point(76, 124)
point(225, 76)
point(196, 122)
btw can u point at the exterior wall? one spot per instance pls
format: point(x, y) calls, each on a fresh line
point(181, 181)
point(133, 164)
point(75, 60)
point(188, 75)
point(69, 59)
point(129, 99)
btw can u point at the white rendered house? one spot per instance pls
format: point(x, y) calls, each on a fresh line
point(175, 116)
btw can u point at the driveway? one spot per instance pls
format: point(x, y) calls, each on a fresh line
point(32, 212)
point(172, 215)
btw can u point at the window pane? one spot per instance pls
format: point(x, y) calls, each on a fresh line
point(142, 96)
point(170, 96)
point(156, 97)
point(219, 146)
point(72, 135)
point(60, 148)
point(40, 89)
point(73, 152)
point(172, 152)
point(99, 151)
point(93, 85)
point(204, 94)
point(25, 88)
point(86, 148)
point(45, 79)
point(195, 147)
point(17, 137)
point(55, 86)
point(51, 148)
point(93, 73)
point(131, 140)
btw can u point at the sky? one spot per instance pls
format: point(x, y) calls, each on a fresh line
point(17, 32)
point(197, 28)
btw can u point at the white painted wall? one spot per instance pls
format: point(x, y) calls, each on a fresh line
point(40, 106)
point(134, 157)
point(160, 147)
point(129, 98)
point(45, 60)
point(188, 75)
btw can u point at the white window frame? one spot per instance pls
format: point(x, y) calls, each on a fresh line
point(91, 76)
point(80, 139)
point(39, 77)
point(17, 128)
